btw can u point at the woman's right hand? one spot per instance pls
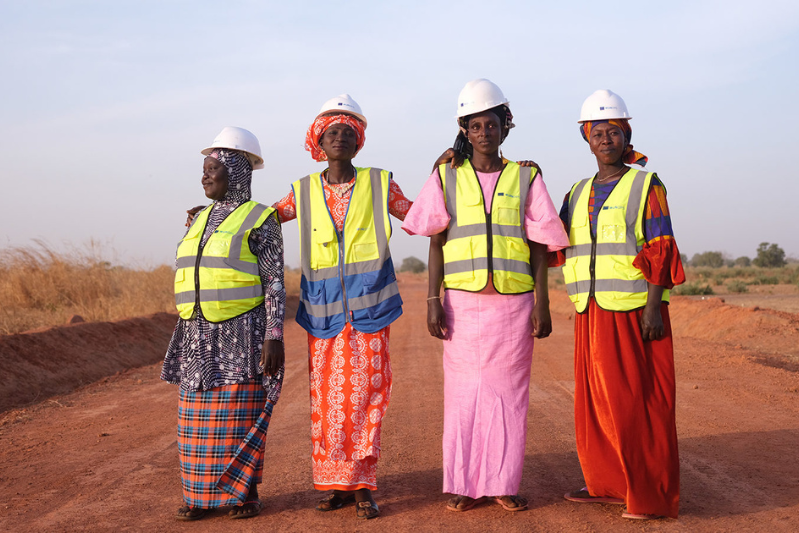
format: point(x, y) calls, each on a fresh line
point(436, 322)
point(191, 213)
point(449, 156)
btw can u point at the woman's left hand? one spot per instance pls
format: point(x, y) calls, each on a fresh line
point(272, 356)
point(542, 321)
point(529, 163)
point(652, 327)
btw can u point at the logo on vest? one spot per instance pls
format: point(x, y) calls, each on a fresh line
point(509, 195)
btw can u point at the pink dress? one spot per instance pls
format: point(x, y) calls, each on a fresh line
point(487, 355)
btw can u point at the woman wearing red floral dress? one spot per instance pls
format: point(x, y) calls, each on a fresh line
point(348, 299)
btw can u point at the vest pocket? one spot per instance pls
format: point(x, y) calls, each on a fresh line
point(508, 216)
point(613, 233)
point(364, 251)
point(458, 261)
point(324, 249)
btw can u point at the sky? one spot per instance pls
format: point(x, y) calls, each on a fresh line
point(106, 105)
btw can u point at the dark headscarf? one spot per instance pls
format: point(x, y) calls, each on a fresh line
point(239, 175)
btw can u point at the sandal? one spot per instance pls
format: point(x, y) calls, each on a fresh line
point(334, 501)
point(519, 503)
point(189, 514)
point(248, 510)
point(367, 510)
point(583, 496)
point(454, 504)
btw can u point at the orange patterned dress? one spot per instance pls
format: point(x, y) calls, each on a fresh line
point(350, 377)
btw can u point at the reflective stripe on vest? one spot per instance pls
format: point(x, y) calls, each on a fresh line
point(602, 266)
point(225, 268)
point(348, 276)
point(474, 248)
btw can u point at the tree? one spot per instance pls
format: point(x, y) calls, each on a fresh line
point(708, 259)
point(412, 264)
point(743, 261)
point(769, 256)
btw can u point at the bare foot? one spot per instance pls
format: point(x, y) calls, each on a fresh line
point(512, 502)
point(365, 506)
point(188, 514)
point(251, 506)
point(463, 503)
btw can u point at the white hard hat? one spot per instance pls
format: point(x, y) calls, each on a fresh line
point(343, 103)
point(603, 105)
point(241, 140)
point(479, 95)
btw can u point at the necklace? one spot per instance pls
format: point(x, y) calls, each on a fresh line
point(606, 178)
point(326, 174)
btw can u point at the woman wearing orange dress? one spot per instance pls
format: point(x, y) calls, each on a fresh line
point(621, 263)
point(348, 299)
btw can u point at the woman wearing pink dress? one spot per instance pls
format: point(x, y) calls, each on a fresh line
point(495, 300)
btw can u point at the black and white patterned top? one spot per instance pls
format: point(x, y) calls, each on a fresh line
point(203, 355)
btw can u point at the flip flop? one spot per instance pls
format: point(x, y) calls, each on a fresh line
point(197, 513)
point(521, 503)
point(583, 496)
point(633, 516)
point(470, 505)
point(335, 501)
point(255, 507)
point(367, 510)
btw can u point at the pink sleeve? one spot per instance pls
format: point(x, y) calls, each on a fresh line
point(542, 224)
point(428, 214)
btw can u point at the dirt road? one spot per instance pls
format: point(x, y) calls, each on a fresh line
point(104, 458)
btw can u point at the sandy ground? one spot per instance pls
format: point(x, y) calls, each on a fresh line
point(104, 458)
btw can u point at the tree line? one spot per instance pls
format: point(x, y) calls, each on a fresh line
point(769, 255)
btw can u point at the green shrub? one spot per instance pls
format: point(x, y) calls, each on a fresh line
point(766, 280)
point(737, 285)
point(693, 289)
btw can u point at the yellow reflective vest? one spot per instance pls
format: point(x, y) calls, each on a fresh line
point(221, 277)
point(602, 267)
point(477, 244)
point(347, 276)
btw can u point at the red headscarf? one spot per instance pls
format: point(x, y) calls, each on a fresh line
point(631, 157)
point(323, 122)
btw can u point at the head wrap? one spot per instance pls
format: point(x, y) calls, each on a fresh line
point(239, 174)
point(630, 156)
point(323, 122)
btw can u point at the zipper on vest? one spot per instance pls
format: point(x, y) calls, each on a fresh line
point(340, 238)
point(592, 264)
point(200, 249)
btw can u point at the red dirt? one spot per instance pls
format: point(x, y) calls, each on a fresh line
point(104, 458)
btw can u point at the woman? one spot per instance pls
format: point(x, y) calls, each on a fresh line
point(491, 223)
point(227, 349)
point(348, 299)
point(622, 261)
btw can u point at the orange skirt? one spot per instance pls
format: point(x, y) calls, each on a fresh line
point(624, 411)
point(350, 378)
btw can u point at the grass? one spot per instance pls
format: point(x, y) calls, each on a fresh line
point(692, 289)
point(737, 286)
point(41, 287)
point(750, 275)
